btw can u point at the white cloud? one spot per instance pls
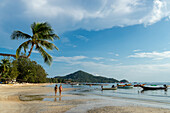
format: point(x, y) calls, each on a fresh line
point(140, 72)
point(154, 55)
point(96, 75)
point(158, 12)
point(67, 15)
point(71, 15)
point(68, 59)
point(116, 54)
point(111, 53)
point(136, 50)
point(147, 72)
point(82, 38)
point(65, 40)
point(98, 58)
point(113, 60)
point(101, 58)
point(71, 45)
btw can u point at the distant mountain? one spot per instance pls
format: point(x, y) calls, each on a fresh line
point(81, 76)
point(124, 81)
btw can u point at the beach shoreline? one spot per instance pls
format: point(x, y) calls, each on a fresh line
point(27, 98)
point(128, 109)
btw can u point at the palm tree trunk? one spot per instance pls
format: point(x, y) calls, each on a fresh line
point(2, 54)
point(30, 50)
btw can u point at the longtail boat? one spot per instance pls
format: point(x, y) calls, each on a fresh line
point(138, 85)
point(153, 87)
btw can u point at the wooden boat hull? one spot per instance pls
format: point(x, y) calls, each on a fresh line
point(138, 85)
point(109, 88)
point(153, 88)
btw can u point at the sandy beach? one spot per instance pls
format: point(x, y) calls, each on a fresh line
point(27, 98)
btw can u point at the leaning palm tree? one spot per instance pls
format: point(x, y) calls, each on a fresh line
point(42, 36)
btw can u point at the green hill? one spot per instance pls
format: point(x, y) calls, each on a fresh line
point(81, 76)
point(124, 81)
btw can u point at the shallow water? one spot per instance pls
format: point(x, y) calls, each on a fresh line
point(134, 96)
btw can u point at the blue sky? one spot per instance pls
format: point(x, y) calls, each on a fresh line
point(122, 39)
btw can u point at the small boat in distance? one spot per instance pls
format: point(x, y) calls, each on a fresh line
point(155, 87)
point(115, 88)
point(126, 86)
point(112, 88)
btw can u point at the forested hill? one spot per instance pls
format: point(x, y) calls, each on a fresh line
point(81, 76)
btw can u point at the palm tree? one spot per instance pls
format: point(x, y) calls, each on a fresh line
point(42, 36)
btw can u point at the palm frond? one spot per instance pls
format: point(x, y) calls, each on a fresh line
point(41, 28)
point(50, 37)
point(23, 45)
point(19, 34)
point(43, 31)
point(47, 44)
point(56, 37)
point(55, 47)
point(45, 28)
point(46, 56)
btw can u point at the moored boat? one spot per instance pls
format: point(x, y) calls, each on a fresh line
point(138, 85)
point(154, 87)
point(114, 88)
point(125, 87)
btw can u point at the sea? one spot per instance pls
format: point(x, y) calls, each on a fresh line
point(120, 97)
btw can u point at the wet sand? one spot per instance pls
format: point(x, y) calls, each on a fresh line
point(128, 109)
point(27, 98)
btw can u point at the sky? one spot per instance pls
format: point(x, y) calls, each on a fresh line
point(121, 39)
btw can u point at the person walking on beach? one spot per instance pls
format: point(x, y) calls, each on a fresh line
point(55, 89)
point(60, 89)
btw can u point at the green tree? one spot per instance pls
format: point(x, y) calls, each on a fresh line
point(42, 36)
point(30, 71)
point(4, 68)
point(13, 70)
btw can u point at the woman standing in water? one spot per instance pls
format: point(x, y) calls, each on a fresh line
point(55, 89)
point(60, 89)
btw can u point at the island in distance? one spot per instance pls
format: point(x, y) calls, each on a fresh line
point(81, 76)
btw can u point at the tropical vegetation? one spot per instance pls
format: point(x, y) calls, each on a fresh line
point(5, 66)
point(21, 70)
